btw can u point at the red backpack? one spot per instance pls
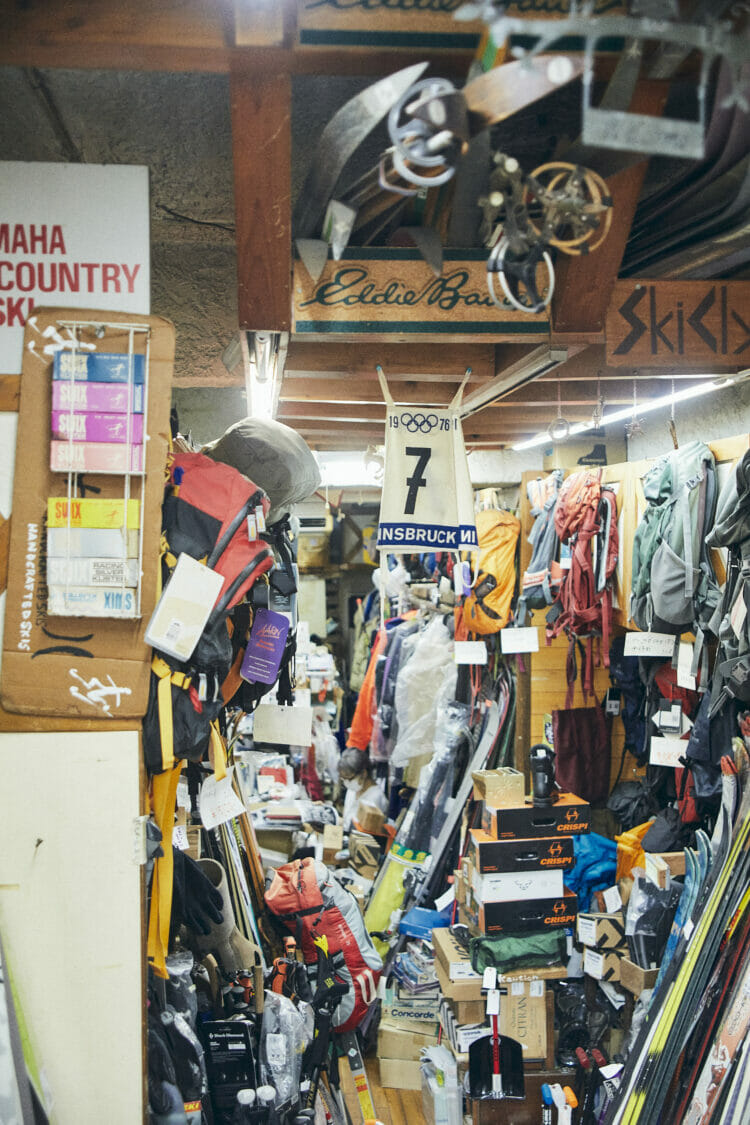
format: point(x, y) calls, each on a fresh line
point(311, 903)
point(586, 519)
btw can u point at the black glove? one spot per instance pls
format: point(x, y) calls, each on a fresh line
point(196, 903)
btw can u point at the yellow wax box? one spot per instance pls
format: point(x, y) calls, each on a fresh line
point(94, 512)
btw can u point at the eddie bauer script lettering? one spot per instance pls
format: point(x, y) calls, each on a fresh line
point(350, 287)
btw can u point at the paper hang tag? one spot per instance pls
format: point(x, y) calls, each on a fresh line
point(218, 802)
point(612, 702)
point(493, 1002)
point(470, 652)
point(489, 978)
point(519, 640)
point(649, 644)
point(685, 678)
point(738, 612)
point(666, 751)
point(668, 718)
point(184, 608)
point(265, 647)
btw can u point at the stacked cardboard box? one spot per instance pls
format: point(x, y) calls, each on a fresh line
point(517, 861)
point(603, 939)
point(92, 556)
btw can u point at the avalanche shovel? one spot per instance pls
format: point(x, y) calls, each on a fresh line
point(496, 1066)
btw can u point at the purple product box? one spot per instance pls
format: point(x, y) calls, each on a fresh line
point(108, 398)
point(94, 457)
point(97, 427)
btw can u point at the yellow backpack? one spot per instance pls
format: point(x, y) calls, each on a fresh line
point(487, 608)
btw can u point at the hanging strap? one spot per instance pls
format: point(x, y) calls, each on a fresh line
point(458, 396)
point(163, 799)
point(387, 398)
point(166, 678)
point(218, 753)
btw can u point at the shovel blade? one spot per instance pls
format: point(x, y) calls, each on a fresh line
point(481, 1070)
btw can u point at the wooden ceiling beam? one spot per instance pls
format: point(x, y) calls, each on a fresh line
point(584, 284)
point(424, 362)
point(261, 110)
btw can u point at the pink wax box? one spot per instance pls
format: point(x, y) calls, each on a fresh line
point(108, 398)
point(94, 457)
point(97, 427)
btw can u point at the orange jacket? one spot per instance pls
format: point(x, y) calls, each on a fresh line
point(364, 713)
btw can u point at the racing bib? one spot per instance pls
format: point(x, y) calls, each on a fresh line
point(427, 502)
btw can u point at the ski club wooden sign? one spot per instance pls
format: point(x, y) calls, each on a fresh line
point(429, 24)
point(693, 323)
point(384, 292)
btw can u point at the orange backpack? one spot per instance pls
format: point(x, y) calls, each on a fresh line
point(487, 608)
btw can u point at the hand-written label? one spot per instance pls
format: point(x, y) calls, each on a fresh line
point(470, 652)
point(218, 802)
point(649, 644)
point(519, 640)
point(666, 751)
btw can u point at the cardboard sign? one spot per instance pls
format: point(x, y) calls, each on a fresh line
point(99, 668)
point(649, 644)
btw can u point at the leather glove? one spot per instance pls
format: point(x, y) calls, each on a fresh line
point(196, 903)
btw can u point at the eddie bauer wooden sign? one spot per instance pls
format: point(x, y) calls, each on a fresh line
point(393, 292)
point(661, 323)
point(412, 23)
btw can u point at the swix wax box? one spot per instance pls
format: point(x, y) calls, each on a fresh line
point(490, 855)
point(97, 426)
point(568, 816)
point(87, 601)
point(92, 572)
point(91, 543)
point(94, 457)
point(525, 915)
point(93, 511)
point(107, 398)
point(99, 367)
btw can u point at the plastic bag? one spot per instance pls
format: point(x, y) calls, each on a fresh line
point(426, 683)
point(327, 752)
point(421, 827)
point(648, 919)
point(287, 1029)
point(181, 993)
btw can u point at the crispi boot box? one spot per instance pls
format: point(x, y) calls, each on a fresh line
point(532, 914)
point(489, 855)
point(569, 816)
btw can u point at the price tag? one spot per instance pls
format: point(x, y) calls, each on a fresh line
point(666, 751)
point(470, 652)
point(649, 644)
point(489, 978)
point(517, 988)
point(493, 1002)
point(519, 640)
point(218, 802)
point(612, 705)
point(536, 988)
point(180, 838)
point(612, 899)
point(684, 664)
point(738, 613)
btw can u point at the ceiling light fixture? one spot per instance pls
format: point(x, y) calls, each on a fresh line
point(526, 370)
point(262, 356)
point(712, 384)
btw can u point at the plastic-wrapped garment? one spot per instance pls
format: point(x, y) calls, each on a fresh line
point(365, 626)
point(595, 866)
point(326, 747)
point(422, 824)
point(426, 683)
point(648, 919)
point(287, 1029)
point(385, 727)
point(181, 992)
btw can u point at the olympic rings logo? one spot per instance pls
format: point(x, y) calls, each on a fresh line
point(419, 423)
